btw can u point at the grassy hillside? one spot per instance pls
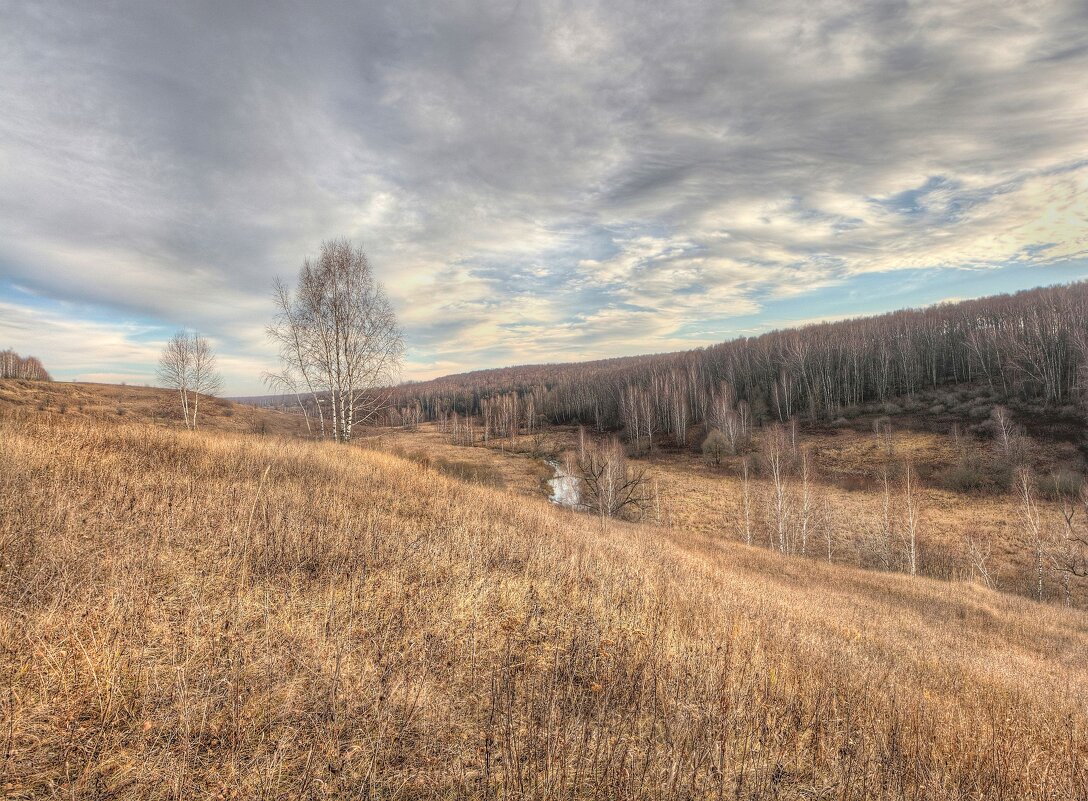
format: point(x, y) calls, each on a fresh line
point(958, 525)
point(210, 614)
point(115, 402)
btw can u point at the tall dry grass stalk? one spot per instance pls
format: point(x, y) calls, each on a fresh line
point(198, 615)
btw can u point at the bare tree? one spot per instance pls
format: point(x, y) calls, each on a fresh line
point(715, 446)
point(1009, 437)
point(609, 485)
point(187, 365)
point(747, 500)
point(775, 454)
point(1029, 514)
point(1005, 432)
point(806, 506)
point(910, 525)
point(884, 541)
point(978, 552)
point(1071, 553)
point(206, 377)
point(28, 368)
point(339, 339)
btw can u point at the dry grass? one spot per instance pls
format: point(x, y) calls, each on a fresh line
point(497, 464)
point(25, 399)
point(706, 499)
point(216, 615)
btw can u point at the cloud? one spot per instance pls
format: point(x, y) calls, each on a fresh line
point(534, 180)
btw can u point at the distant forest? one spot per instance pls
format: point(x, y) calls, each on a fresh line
point(29, 368)
point(1032, 345)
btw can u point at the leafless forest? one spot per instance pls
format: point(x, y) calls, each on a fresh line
point(1032, 346)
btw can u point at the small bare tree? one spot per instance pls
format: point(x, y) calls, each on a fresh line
point(715, 446)
point(1004, 429)
point(910, 524)
point(609, 485)
point(747, 500)
point(1029, 515)
point(1011, 441)
point(978, 553)
point(338, 337)
point(187, 365)
point(805, 510)
point(1071, 552)
point(776, 448)
point(884, 536)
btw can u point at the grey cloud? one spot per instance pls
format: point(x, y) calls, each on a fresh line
point(168, 160)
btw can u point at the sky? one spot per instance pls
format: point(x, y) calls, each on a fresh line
point(532, 181)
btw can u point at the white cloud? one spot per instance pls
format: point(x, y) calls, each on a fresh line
point(532, 181)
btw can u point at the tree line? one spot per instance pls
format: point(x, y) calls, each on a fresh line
point(1032, 345)
point(28, 368)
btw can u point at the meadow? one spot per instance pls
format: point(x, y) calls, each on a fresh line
point(221, 614)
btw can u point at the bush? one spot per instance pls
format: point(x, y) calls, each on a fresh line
point(465, 471)
point(1063, 483)
point(715, 446)
point(980, 411)
point(974, 476)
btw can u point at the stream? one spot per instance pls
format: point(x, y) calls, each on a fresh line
point(564, 486)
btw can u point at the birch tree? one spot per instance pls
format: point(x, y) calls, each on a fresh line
point(775, 449)
point(187, 366)
point(28, 368)
point(910, 524)
point(338, 338)
point(805, 510)
point(747, 501)
point(1029, 514)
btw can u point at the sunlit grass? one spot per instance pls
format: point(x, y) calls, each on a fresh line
point(190, 615)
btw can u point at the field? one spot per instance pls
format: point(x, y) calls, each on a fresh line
point(217, 614)
point(115, 403)
point(699, 497)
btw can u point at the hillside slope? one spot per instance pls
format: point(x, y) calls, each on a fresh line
point(144, 404)
point(215, 615)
